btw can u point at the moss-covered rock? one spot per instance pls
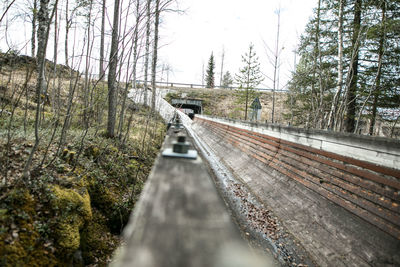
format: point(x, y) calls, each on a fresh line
point(97, 241)
point(20, 243)
point(74, 209)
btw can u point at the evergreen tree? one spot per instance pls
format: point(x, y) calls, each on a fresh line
point(248, 78)
point(349, 57)
point(382, 81)
point(210, 73)
point(227, 80)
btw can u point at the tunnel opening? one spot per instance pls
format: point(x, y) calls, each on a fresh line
point(188, 106)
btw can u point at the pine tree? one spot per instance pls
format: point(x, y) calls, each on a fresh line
point(227, 80)
point(348, 71)
point(383, 82)
point(249, 77)
point(210, 73)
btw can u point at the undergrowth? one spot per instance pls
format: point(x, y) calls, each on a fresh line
point(76, 201)
point(73, 210)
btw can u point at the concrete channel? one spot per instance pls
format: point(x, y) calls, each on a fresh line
point(331, 212)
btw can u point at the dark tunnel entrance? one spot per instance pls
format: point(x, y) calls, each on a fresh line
point(188, 105)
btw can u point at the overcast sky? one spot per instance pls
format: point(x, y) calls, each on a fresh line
point(206, 26)
point(211, 25)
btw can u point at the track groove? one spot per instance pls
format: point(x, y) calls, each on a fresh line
point(367, 190)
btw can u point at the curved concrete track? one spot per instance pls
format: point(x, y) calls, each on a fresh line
point(331, 234)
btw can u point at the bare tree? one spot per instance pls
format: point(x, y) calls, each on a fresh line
point(87, 66)
point(317, 70)
point(276, 64)
point(6, 10)
point(102, 33)
point(134, 51)
point(353, 73)
point(381, 50)
point(222, 66)
point(155, 52)
point(112, 96)
point(339, 84)
point(68, 23)
point(43, 36)
point(69, 20)
point(147, 49)
point(34, 18)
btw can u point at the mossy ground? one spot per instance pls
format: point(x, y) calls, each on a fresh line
point(71, 210)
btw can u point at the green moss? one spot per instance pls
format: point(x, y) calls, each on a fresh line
point(65, 153)
point(97, 241)
point(114, 149)
point(20, 244)
point(68, 155)
point(102, 198)
point(95, 152)
point(68, 237)
point(75, 211)
point(133, 166)
point(68, 200)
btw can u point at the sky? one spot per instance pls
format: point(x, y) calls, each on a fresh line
point(188, 38)
point(208, 26)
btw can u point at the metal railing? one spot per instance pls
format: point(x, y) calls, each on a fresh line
point(201, 86)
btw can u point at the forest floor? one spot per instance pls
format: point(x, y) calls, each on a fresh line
point(76, 201)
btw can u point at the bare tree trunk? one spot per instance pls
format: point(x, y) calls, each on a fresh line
point(127, 77)
point(319, 115)
point(5, 11)
point(276, 67)
point(56, 31)
point(295, 89)
point(352, 90)
point(339, 84)
point(316, 69)
point(139, 17)
point(67, 27)
point(43, 35)
point(135, 46)
point(222, 66)
point(55, 54)
point(87, 66)
point(147, 49)
point(340, 114)
point(112, 96)
point(33, 39)
point(379, 71)
point(102, 33)
point(155, 52)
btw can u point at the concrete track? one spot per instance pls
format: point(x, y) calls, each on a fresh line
point(330, 234)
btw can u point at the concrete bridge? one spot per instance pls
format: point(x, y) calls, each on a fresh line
point(310, 198)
